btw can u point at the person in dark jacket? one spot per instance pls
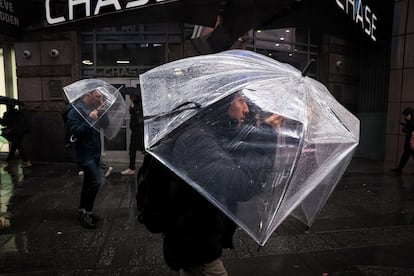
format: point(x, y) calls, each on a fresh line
point(197, 231)
point(408, 128)
point(87, 148)
point(137, 136)
point(15, 131)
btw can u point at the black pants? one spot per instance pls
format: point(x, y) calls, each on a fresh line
point(404, 157)
point(16, 144)
point(136, 143)
point(91, 183)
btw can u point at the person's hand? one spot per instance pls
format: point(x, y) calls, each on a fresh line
point(94, 114)
point(275, 120)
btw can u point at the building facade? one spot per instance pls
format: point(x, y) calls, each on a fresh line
point(373, 82)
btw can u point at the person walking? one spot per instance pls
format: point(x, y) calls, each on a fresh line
point(87, 148)
point(15, 131)
point(197, 231)
point(137, 137)
point(408, 128)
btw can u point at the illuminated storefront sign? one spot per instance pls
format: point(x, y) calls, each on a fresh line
point(90, 11)
point(122, 72)
point(361, 14)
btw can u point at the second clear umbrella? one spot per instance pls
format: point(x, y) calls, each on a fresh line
point(94, 94)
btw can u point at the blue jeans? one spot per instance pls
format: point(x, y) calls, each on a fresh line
point(91, 183)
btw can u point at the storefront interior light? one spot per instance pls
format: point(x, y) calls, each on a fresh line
point(87, 62)
point(122, 61)
point(282, 38)
point(287, 30)
point(290, 54)
point(259, 31)
point(277, 44)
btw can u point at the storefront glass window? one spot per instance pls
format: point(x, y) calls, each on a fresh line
point(127, 51)
point(295, 46)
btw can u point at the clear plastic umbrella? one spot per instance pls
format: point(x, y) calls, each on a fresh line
point(110, 104)
point(259, 172)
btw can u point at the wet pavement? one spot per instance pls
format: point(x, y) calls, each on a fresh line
point(366, 228)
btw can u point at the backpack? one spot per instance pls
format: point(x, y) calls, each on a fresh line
point(154, 180)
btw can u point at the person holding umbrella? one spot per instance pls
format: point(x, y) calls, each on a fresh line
point(87, 147)
point(136, 126)
point(215, 147)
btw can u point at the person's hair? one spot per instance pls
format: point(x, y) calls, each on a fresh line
point(407, 111)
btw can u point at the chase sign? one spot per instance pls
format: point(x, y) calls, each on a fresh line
point(361, 14)
point(90, 9)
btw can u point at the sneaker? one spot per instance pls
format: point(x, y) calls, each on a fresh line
point(86, 221)
point(80, 173)
point(26, 164)
point(108, 171)
point(128, 172)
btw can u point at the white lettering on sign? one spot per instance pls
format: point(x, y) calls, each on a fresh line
point(117, 72)
point(361, 14)
point(5, 5)
point(6, 13)
point(71, 4)
point(103, 3)
point(11, 19)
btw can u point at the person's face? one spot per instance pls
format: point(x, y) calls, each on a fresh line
point(408, 117)
point(238, 109)
point(93, 98)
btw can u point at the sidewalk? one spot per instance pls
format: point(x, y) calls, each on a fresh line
point(366, 228)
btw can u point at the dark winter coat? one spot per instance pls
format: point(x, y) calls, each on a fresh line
point(87, 143)
point(197, 230)
point(408, 127)
point(15, 123)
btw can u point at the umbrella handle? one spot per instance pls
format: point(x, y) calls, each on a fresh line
point(306, 70)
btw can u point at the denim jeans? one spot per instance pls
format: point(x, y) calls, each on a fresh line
point(91, 183)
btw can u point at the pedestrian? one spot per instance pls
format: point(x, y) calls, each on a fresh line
point(15, 131)
point(220, 151)
point(87, 149)
point(137, 137)
point(407, 128)
point(68, 139)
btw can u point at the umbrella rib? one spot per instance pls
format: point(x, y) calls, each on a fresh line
point(177, 109)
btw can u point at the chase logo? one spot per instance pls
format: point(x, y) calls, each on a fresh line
point(361, 14)
point(92, 8)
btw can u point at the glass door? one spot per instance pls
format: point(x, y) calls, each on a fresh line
point(116, 150)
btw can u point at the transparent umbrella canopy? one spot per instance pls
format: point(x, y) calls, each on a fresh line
point(111, 104)
point(260, 174)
